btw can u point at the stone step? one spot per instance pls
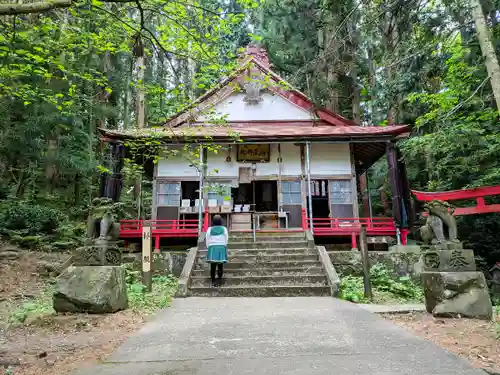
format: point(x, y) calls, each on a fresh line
point(271, 258)
point(267, 244)
point(290, 271)
point(267, 235)
point(261, 291)
point(265, 238)
point(270, 264)
point(229, 280)
point(289, 251)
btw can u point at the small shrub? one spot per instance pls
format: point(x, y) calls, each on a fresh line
point(386, 286)
point(403, 287)
point(163, 289)
point(38, 308)
point(352, 289)
point(28, 218)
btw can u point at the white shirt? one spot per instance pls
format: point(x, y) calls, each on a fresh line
point(217, 240)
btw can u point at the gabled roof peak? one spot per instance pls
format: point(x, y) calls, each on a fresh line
point(259, 54)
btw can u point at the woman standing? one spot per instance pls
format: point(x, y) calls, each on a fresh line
point(216, 241)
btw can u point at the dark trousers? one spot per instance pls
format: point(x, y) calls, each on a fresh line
point(220, 270)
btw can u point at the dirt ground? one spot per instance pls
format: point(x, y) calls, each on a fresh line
point(51, 344)
point(475, 340)
point(58, 345)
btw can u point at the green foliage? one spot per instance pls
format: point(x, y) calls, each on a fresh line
point(29, 218)
point(36, 309)
point(351, 289)
point(164, 288)
point(386, 287)
point(401, 287)
point(68, 71)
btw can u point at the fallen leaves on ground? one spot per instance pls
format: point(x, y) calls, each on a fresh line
point(52, 344)
point(475, 340)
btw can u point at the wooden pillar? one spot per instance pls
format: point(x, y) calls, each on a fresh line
point(398, 181)
point(309, 192)
point(111, 182)
point(354, 185)
point(154, 203)
point(364, 192)
point(201, 204)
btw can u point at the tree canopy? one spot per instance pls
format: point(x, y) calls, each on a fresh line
point(70, 67)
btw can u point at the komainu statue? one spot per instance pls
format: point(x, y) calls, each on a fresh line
point(440, 227)
point(102, 223)
point(102, 234)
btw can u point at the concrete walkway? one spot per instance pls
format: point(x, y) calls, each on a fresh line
point(270, 336)
point(393, 309)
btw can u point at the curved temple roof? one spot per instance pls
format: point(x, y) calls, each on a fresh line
point(281, 114)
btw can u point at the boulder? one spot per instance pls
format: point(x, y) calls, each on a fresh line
point(91, 289)
point(454, 294)
point(46, 268)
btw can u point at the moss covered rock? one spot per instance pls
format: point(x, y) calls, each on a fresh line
point(91, 289)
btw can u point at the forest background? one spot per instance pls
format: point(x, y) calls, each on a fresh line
point(69, 67)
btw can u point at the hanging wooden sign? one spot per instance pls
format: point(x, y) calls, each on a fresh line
point(253, 153)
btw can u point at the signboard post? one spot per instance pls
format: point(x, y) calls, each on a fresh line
point(146, 255)
point(366, 263)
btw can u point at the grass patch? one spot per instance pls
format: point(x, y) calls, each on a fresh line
point(386, 287)
point(36, 309)
point(140, 300)
point(39, 310)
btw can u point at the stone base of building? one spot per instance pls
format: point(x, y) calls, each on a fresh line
point(405, 249)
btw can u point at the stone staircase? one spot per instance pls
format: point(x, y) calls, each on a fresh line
point(274, 265)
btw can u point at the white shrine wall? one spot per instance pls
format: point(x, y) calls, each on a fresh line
point(326, 160)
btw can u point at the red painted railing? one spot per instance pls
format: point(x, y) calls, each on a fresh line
point(321, 227)
point(160, 229)
point(177, 228)
point(376, 226)
point(305, 223)
point(206, 221)
point(337, 226)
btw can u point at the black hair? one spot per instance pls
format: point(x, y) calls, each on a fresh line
point(217, 220)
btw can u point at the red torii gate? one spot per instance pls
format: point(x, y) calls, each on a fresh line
point(475, 193)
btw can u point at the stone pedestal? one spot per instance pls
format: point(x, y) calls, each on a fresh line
point(454, 294)
point(98, 255)
point(405, 249)
point(448, 261)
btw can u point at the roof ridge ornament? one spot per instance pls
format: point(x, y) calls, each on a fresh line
point(253, 90)
point(258, 53)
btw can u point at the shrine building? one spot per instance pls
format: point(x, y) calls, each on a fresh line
point(275, 162)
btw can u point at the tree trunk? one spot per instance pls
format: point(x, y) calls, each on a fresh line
point(50, 164)
point(373, 84)
point(139, 107)
point(356, 99)
point(76, 191)
point(484, 37)
point(20, 184)
point(140, 66)
point(37, 7)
